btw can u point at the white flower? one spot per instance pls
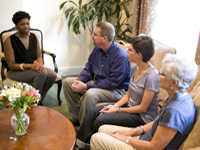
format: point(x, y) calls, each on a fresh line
point(13, 93)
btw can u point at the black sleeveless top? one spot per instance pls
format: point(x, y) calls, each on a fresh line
point(22, 55)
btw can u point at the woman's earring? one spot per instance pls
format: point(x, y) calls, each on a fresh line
point(171, 88)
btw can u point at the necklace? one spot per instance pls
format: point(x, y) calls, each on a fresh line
point(17, 34)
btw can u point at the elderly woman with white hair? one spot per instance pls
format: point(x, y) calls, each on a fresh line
point(174, 121)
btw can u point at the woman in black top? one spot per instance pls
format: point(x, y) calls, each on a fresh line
point(23, 56)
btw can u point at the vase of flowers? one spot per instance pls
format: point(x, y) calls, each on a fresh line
point(19, 97)
point(20, 123)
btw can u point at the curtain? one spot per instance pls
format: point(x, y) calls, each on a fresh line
point(197, 56)
point(144, 15)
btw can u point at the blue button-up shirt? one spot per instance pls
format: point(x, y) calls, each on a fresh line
point(109, 69)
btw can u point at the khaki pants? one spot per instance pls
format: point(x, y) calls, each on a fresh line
point(103, 141)
point(80, 103)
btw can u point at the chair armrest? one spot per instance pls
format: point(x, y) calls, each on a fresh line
point(3, 67)
point(54, 60)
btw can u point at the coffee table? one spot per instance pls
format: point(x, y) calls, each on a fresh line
point(48, 130)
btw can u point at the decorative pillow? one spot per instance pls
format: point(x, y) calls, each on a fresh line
point(193, 139)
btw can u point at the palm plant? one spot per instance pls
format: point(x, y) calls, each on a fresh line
point(85, 15)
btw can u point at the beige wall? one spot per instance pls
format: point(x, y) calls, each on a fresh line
point(72, 51)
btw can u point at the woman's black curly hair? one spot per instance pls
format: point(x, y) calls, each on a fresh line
point(20, 15)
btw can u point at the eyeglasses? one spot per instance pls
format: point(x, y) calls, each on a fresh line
point(161, 73)
point(94, 34)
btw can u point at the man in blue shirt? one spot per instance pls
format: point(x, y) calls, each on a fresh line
point(105, 77)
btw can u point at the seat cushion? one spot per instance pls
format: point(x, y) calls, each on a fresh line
point(8, 81)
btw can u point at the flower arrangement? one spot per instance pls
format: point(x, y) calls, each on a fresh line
point(19, 97)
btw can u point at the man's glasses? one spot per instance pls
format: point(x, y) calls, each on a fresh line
point(161, 73)
point(94, 34)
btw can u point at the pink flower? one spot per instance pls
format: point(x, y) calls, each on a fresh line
point(23, 93)
point(19, 85)
point(30, 92)
point(8, 103)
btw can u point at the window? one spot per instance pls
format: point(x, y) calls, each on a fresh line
point(178, 25)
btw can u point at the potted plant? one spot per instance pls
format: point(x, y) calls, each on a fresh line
point(97, 10)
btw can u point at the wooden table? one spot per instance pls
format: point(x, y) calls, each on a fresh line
point(48, 130)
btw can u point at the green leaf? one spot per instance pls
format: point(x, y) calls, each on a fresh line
point(100, 18)
point(83, 23)
point(118, 10)
point(68, 11)
point(107, 16)
point(91, 1)
point(84, 8)
point(73, 3)
point(75, 26)
point(86, 17)
point(92, 7)
point(61, 6)
point(126, 10)
point(80, 3)
point(71, 17)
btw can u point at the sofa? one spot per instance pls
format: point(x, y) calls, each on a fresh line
point(193, 140)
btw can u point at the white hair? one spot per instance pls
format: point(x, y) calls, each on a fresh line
point(181, 69)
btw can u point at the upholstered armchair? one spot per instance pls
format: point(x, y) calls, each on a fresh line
point(4, 67)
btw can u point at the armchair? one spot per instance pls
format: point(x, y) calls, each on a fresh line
point(4, 67)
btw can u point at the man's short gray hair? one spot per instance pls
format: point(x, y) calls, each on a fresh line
point(183, 70)
point(107, 29)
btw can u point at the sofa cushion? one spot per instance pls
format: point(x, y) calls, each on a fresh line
point(192, 89)
point(193, 139)
point(161, 50)
point(196, 148)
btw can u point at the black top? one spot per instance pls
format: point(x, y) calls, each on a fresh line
point(22, 55)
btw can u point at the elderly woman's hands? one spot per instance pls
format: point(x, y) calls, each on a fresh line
point(131, 132)
point(118, 136)
point(38, 67)
point(122, 135)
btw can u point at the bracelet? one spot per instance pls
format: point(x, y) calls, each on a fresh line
point(139, 130)
point(128, 139)
point(142, 129)
point(120, 110)
point(21, 67)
